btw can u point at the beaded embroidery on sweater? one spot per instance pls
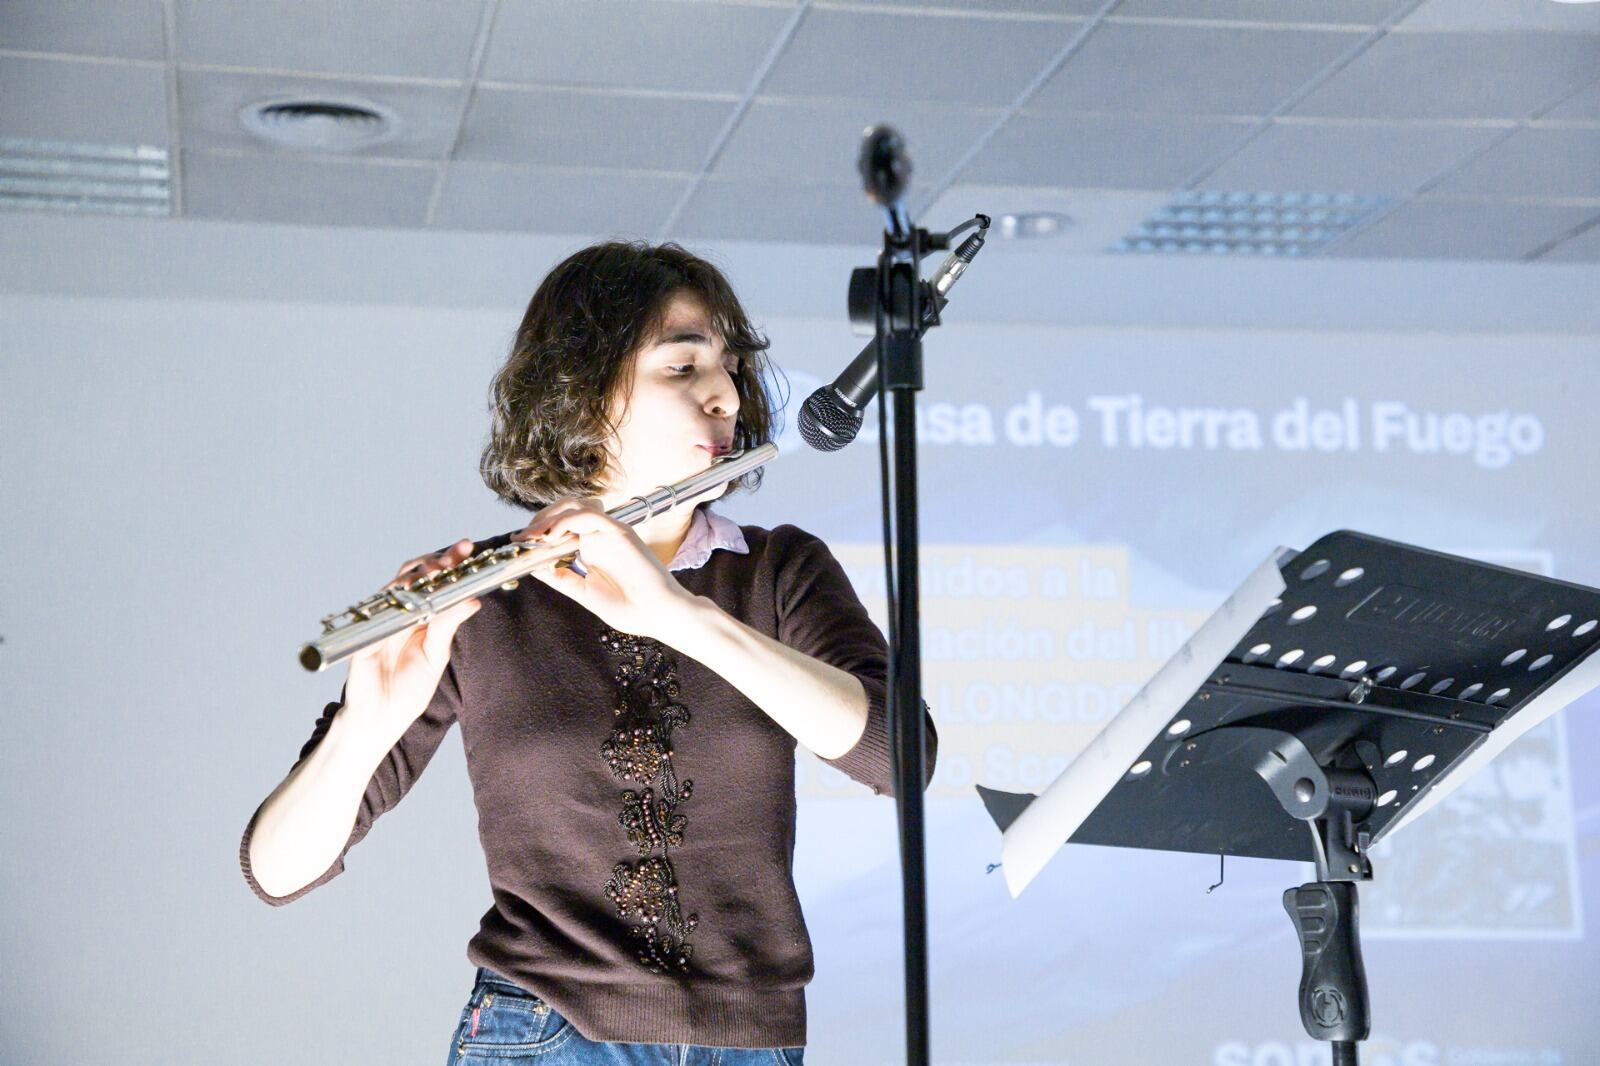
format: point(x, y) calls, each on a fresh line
point(639, 750)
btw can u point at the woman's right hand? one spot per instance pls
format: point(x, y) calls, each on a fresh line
point(395, 679)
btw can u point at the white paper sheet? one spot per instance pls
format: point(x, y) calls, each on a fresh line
point(1582, 678)
point(1045, 825)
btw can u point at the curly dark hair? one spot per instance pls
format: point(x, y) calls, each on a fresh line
point(575, 348)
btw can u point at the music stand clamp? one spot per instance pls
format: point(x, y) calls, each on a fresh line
point(1374, 679)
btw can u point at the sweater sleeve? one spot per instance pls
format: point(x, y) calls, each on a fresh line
point(820, 615)
point(390, 782)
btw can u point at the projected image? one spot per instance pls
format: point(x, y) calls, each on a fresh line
point(1073, 540)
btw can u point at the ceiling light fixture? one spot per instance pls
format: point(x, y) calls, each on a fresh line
point(115, 179)
point(1032, 225)
point(1249, 223)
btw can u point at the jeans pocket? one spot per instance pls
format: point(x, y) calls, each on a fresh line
point(501, 1024)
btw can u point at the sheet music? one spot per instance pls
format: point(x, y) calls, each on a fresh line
point(1045, 825)
point(1582, 678)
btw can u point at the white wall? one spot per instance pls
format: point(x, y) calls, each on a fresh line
point(214, 434)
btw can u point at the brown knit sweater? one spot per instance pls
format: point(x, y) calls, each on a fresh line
point(637, 813)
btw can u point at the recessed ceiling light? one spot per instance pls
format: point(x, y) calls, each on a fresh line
point(116, 179)
point(1249, 223)
point(1031, 225)
point(321, 124)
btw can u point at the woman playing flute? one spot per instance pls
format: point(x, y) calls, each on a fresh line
point(630, 720)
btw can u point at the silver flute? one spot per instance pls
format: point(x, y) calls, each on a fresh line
point(394, 610)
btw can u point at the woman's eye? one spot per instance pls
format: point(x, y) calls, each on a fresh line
point(681, 368)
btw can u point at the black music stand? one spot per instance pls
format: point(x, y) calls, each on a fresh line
point(1374, 679)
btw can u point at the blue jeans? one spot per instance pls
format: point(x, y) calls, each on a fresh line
point(503, 1024)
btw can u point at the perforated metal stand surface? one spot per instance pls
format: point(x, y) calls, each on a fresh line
point(1371, 682)
point(1381, 658)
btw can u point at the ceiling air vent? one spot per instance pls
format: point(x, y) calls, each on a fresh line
point(321, 125)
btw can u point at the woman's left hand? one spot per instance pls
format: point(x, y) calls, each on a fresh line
point(626, 586)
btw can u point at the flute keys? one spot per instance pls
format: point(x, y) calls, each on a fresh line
point(509, 585)
point(396, 609)
point(407, 600)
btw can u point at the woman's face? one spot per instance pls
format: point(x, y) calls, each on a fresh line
point(676, 411)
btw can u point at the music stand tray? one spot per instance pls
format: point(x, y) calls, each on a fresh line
point(1337, 695)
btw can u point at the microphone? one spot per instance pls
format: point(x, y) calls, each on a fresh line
point(885, 169)
point(831, 417)
point(884, 165)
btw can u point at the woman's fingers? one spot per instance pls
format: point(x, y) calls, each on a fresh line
point(409, 571)
point(563, 579)
point(441, 629)
point(583, 523)
point(423, 565)
point(539, 526)
point(568, 524)
point(432, 637)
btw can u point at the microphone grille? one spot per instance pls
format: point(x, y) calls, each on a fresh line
point(826, 424)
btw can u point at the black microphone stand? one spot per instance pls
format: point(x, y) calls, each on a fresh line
point(892, 296)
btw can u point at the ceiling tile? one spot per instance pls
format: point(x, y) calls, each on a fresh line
point(393, 38)
point(75, 100)
point(121, 29)
point(209, 103)
point(959, 59)
point(1347, 157)
point(817, 140)
point(624, 100)
point(1351, 12)
point(632, 44)
point(578, 128)
point(1436, 15)
point(1583, 106)
point(1584, 248)
point(482, 196)
point(1097, 218)
point(1457, 75)
point(268, 188)
point(757, 210)
point(1041, 8)
point(1431, 229)
point(1187, 70)
point(1106, 152)
point(1533, 162)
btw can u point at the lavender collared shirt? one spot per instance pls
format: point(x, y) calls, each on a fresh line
point(708, 531)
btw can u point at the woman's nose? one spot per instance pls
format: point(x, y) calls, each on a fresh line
point(723, 400)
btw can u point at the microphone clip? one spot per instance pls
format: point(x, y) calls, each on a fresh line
point(865, 281)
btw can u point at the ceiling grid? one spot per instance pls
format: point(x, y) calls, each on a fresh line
point(169, 47)
point(785, 35)
point(1311, 85)
point(1067, 51)
point(1539, 247)
point(480, 48)
point(1478, 121)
